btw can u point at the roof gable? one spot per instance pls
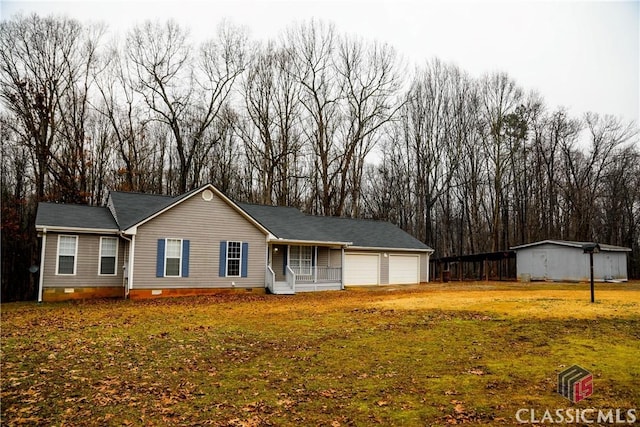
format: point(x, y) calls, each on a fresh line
point(148, 207)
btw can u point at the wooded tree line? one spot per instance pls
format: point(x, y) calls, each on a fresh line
point(323, 121)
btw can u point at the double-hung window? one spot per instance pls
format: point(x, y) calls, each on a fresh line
point(108, 255)
point(301, 259)
point(173, 258)
point(234, 256)
point(67, 254)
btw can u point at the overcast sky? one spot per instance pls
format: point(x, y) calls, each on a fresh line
point(584, 56)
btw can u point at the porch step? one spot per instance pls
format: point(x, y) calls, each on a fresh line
point(282, 288)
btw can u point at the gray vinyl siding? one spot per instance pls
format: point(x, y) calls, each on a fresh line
point(86, 263)
point(335, 258)
point(323, 257)
point(204, 224)
point(384, 268)
point(424, 267)
point(277, 263)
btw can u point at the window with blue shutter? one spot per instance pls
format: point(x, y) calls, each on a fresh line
point(245, 259)
point(222, 272)
point(160, 259)
point(185, 258)
point(172, 258)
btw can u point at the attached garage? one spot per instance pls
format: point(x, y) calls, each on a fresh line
point(404, 269)
point(362, 269)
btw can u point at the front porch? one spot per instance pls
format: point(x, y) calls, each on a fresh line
point(303, 268)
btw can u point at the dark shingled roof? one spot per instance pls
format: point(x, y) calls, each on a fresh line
point(131, 208)
point(283, 222)
point(291, 224)
point(77, 216)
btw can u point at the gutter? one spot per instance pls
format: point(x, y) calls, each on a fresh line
point(376, 248)
point(308, 242)
point(55, 228)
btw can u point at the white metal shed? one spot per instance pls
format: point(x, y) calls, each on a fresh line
point(565, 261)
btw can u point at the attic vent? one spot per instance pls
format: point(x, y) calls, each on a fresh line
point(207, 195)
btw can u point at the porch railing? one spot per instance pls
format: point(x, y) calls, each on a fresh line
point(318, 274)
point(291, 278)
point(269, 278)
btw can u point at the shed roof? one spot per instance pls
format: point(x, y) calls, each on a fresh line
point(74, 216)
point(291, 224)
point(573, 244)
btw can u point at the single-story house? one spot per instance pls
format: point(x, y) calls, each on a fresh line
point(144, 245)
point(566, 261)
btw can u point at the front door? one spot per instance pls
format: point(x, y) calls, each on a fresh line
point(278, 256)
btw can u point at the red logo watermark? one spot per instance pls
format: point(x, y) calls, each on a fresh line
point(575, 383)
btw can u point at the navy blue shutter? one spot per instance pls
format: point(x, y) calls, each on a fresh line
point(223, 259)
point(284, 260)
point(160, 259)
point(185, 258)
point(245, 259)
point(313, 256)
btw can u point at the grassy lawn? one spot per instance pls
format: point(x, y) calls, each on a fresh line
point(430, 355)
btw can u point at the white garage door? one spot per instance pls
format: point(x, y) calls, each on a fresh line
point(404, 269)
point(361, 269)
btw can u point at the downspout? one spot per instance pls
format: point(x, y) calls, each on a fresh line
point(130, 263)
point(315, 268)
point(342, 269)
point(41, 278)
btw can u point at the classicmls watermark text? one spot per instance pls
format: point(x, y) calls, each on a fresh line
point(576, 384)
point(576, 416)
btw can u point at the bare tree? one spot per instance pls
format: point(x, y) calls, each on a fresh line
point(186, 92)
point(583, 172)
point(45, 75)
point(500, 97)
point(313, 46)
point(273, 138)
point(370, 81)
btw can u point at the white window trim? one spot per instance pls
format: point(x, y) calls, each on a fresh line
point(115, 267)
point(166, 251)
point(239, 259)
point(299, 259)
point(75, 256)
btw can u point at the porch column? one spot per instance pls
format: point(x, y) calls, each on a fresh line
point(315, 264)
point(342, 269)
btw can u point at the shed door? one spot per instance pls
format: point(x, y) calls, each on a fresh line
point(361, 269)
point(404, 269)
point(539, 269)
